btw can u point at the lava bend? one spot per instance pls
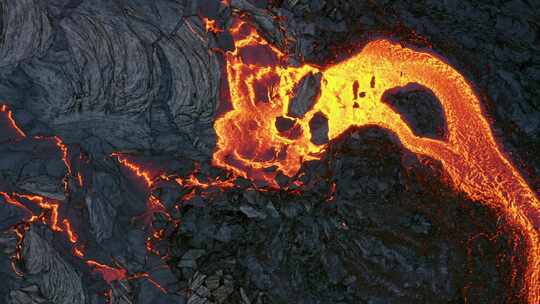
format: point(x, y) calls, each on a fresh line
point(261, 89)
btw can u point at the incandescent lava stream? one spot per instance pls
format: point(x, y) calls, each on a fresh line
point(261, 88)
point(40, 209)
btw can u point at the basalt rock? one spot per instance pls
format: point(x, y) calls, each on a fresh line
point(57, 279)
point(25, 31)
point(367, 223)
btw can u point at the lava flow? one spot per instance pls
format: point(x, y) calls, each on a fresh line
point(45, 210)
point(261, 88)
point(9, 117)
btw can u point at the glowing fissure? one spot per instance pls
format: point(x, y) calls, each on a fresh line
point(48, 213)
point(261, 88)
point(249, 144)
point(9, 116)
point(211, 26)
point(109, 274)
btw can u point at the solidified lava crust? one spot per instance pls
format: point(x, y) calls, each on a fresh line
point(253, 151)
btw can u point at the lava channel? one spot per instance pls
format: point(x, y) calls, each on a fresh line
point(261, 87)
point(47, 211)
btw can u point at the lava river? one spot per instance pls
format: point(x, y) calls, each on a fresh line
point(261, 87)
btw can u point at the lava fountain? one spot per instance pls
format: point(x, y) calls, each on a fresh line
point(261, 87)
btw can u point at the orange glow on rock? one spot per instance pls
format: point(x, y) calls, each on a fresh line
point(146, 276)
point(261, 88)
point(211, 26)
point(109, 274)
point(193, 182)
point(154, 205)
point(64, 149)
point(80, 179)
point(14, 202)
point(48, 215)
point(45, 204)
point(72, 237)
point(78, 252)
point(136, 169)
point(9, 116)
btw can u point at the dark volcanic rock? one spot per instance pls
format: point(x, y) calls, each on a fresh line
point(420, 108)
point(283, 124)
point(57, 279)
point(318, 125)
point(370, 223)
point(305, 95)
point(26, 31)
point(388, 233)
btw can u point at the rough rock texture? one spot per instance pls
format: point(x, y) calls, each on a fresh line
point(57, 279)
point(98, 75)
point(26, 31)
point(305, 95)
point(194, 86)
point(372, 223)
point(420, 109)
point(495, 45)
point(387, 233)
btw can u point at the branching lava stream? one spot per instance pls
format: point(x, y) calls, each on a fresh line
point(261, 88)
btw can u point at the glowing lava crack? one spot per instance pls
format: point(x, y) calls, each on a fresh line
point(261, 88)
point(48, 210)
point(249, 144)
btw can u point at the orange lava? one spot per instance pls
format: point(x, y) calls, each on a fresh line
point(211, 26)
point(49, 212)
point(80, 179)
point(146, 276)
point(45, 204)
point(261, 88)
point(9, 115)
point(78, 252)
point(72, 236)
point(48, 216)
point(64, 149)
point(65, 157)
point(109, 274)
point(136, 169)
point(192, 181)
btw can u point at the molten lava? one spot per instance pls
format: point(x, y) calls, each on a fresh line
point(109, 274)
point(249, 144)
point(211, 26)
point(46, 210)
point(261, 89)
point(9, 117)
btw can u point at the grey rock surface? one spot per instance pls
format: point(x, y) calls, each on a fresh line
point(57, 279)
point(305, 95)
point(26, 31)
point(370, 223)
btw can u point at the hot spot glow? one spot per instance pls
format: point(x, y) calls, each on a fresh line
point(261, 88)
point(109, 274)
point(136, 169)
point(211, 26)
point(48, 213)
point(9, 115)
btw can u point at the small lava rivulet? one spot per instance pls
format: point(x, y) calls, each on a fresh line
point(248, 142)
